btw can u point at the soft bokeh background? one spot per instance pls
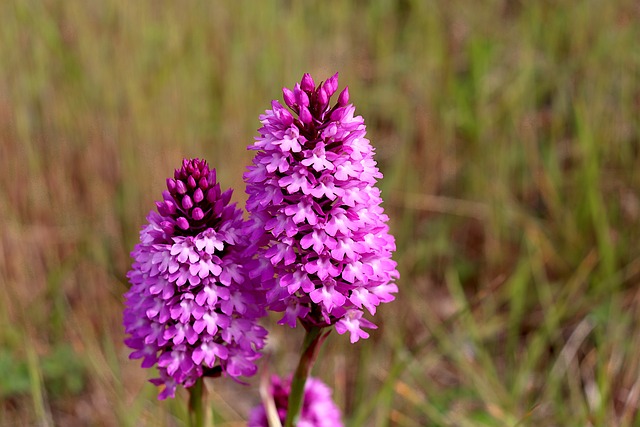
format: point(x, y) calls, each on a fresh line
point(508, 132)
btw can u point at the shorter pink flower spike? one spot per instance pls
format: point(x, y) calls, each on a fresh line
point(318, 409)
point(193, 307)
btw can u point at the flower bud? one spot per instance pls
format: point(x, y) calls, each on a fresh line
point(343, 98)
point(331, 85)
point(187, 203)
point(288, 97)
point(197, 214)
point(198, 195)
point(180, 187)
point(323, 98)
point(182, 223)
point(305, 116)
point(307, 83)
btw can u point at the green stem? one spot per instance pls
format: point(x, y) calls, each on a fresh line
point(313, 339)
point(196, 407)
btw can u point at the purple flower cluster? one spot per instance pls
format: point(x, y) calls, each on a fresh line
point(318, 409)
point(192, 308)
point(315, 211)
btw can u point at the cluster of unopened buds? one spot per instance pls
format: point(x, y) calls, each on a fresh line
point(315, 247)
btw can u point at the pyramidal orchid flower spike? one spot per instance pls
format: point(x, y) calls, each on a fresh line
point(192, 308)
point(318, 409)
point(316, 214)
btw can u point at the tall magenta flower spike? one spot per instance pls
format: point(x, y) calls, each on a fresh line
point(318, 410)
point(316, 214)
point(192, 310)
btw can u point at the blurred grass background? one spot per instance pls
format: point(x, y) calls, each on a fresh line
point(509, 135)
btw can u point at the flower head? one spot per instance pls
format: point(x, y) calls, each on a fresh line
point(315, 211)
point(192, 308)
point(318, 408)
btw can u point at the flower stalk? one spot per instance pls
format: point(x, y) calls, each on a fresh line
point(197, 396)
point(313, 339)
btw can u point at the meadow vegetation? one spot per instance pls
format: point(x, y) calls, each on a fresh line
point(509, 136)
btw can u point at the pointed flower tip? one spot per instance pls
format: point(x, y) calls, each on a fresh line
point(171, 184)
point(303, 99)
point(307, 84)
point(226, 196)
point(323, 97)
point(180, 188)
point(289, 97)
point(343, 98)
point(331, 85)
point(305, 116)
